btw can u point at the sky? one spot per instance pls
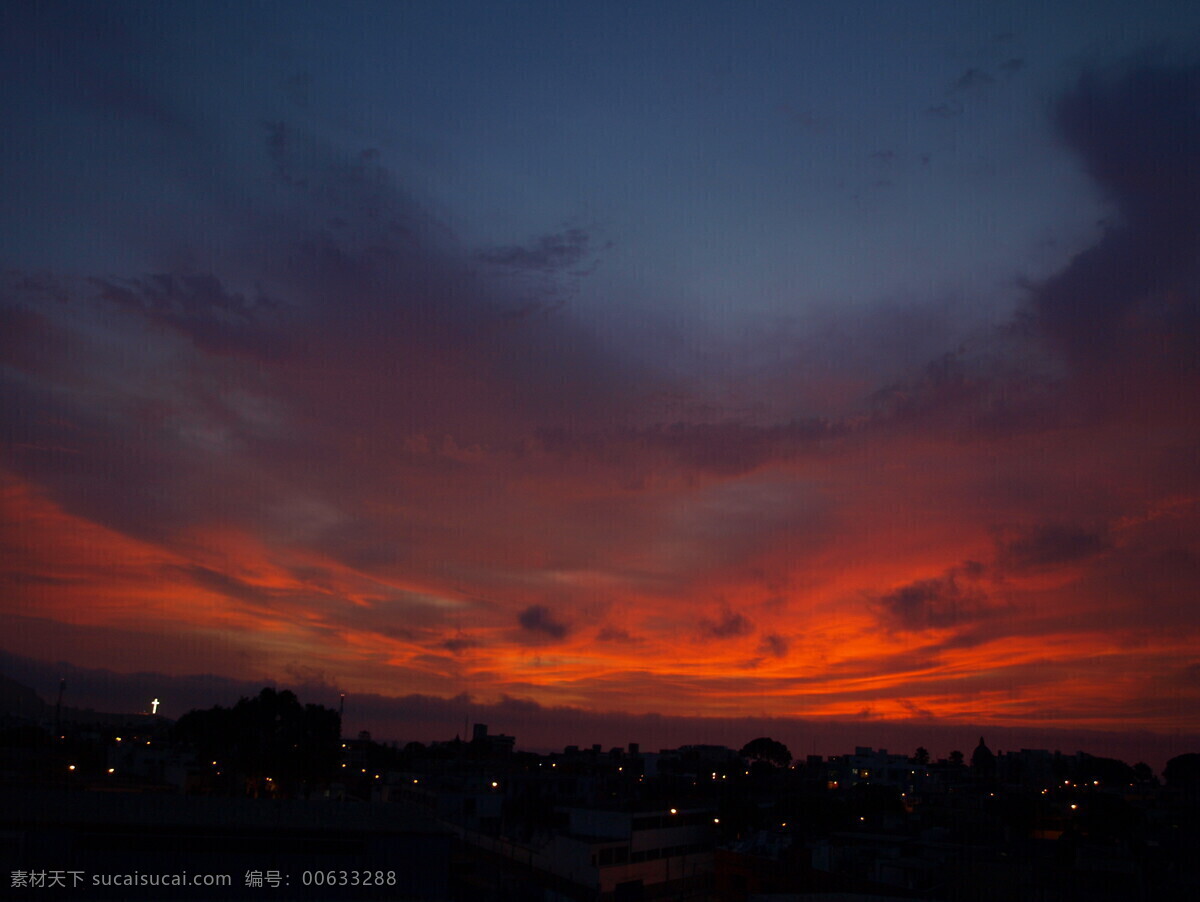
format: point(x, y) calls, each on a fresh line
point(603, 367)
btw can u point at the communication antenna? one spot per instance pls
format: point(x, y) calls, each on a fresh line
point(62, 686)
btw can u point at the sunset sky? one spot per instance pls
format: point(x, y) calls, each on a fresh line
point(559, 360)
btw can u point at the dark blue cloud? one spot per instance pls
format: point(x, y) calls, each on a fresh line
point(731, 625)
point(774, 645)
point(539, 619)
point(951, 600)
point(200, 307)
point(1136, 293)
point(561, 250)
point(971, 80)
point(1050, 545)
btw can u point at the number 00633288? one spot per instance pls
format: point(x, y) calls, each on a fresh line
point(348, 878)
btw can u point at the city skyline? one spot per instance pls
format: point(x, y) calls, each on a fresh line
point(684, 365)
point(99, 695)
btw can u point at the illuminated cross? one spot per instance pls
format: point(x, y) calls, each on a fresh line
point(154, 706)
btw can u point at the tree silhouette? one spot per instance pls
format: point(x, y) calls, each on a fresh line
point(921, 756)
point(1108, 771)
point(766, 749)
point(271, 735)
point(1183, 771)
point(956, 758)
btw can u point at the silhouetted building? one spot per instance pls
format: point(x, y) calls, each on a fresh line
point(497, 744)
